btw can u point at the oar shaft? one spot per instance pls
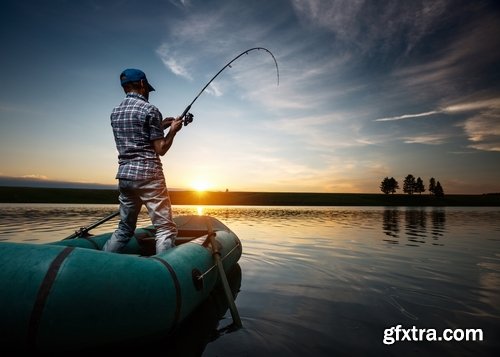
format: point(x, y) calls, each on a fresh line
point(225, 284)
point(220, 267)
point(85, 230)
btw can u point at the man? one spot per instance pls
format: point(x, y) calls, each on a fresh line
point(138, 131)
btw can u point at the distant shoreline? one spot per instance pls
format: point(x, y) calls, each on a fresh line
point(106, 196)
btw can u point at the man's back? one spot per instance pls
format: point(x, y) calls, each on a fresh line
point(135, 124)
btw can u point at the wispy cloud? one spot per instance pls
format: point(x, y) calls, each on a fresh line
point(304, 67)
point(482, 127)
point(214, 89)
point(459, 107)
point(35, 176)
point(483, 130)
point(469, 105)
point(409, 116)
point(172, 62)
point(182, 4)
point(458, 65)
point(431, 139)
point(365, 25)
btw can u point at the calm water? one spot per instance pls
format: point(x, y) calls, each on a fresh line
point(328, 281)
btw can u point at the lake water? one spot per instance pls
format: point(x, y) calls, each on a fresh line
point(325, 281)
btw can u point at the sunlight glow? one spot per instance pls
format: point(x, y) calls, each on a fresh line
point(200, 185)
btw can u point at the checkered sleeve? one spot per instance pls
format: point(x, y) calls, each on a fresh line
point(155, 119)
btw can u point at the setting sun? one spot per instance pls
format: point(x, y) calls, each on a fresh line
point(200, 185)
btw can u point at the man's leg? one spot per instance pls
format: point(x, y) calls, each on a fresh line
point(130, 206)
point(156, 198)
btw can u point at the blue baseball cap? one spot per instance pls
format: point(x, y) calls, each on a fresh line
point(134, 75)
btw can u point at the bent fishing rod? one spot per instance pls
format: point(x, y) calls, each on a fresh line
point(188, 117)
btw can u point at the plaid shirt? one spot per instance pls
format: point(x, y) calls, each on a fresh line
point(135, 124)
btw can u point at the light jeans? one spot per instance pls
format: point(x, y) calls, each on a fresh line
point(154, 195)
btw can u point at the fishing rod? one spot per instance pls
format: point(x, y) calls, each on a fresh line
point(188, 117)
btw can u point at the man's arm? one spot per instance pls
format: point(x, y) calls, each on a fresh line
point(161, 146)
point(165, 123)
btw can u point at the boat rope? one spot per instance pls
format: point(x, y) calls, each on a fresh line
point(91, 241)
point(215, 266)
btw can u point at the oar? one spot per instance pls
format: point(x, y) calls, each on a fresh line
point(218, 261)
point(84, 230)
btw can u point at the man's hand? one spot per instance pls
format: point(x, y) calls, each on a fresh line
point(162, 145)
point(165, 123)
point(176, 125)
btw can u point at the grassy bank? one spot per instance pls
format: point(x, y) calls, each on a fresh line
point(69, 195)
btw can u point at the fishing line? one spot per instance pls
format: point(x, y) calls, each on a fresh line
point(188, 117)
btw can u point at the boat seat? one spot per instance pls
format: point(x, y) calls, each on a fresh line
point(183, 236)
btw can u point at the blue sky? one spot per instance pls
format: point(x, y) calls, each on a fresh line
point(368, 89)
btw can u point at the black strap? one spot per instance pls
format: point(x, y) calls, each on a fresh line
point(43, 293)
point(178, 295)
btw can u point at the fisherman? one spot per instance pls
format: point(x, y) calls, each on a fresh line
point(138, 131)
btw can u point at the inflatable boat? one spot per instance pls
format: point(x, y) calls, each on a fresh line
point(70, 295)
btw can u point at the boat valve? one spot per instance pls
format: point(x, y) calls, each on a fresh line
point(197, 279)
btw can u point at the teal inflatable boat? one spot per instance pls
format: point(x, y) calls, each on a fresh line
point(71, 295)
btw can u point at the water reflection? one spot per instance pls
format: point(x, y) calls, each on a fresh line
point(317, 278)
point(416, 228)
point(390, 225)
point(438, 223)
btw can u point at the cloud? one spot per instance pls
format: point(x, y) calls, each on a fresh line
point(37, 180)
point(483, 130)
point(182, 4)
point(465, 106)
point(367, 25)
point(172, 62)
point(213, 89)
point(431, 139)
point(459, 63)
point(488, 103)
point(35, 176)
point(409, 116)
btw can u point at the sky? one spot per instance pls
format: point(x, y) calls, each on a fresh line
point(367, 90)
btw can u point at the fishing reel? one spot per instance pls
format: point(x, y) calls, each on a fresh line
point(188, 118)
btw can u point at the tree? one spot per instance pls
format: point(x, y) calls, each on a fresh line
point(385, 186)
point(394, 184)
point(419, 186)
point(409, 184)
point(389, 185)
point(432, 185)
point(438, 191)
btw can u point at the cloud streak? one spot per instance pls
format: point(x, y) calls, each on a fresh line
point(482, 128)
point(410, 116)
point(172, 62)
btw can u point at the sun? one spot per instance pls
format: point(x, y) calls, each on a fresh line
point(200, 185)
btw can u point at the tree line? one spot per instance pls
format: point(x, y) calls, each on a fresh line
point(411, 185)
